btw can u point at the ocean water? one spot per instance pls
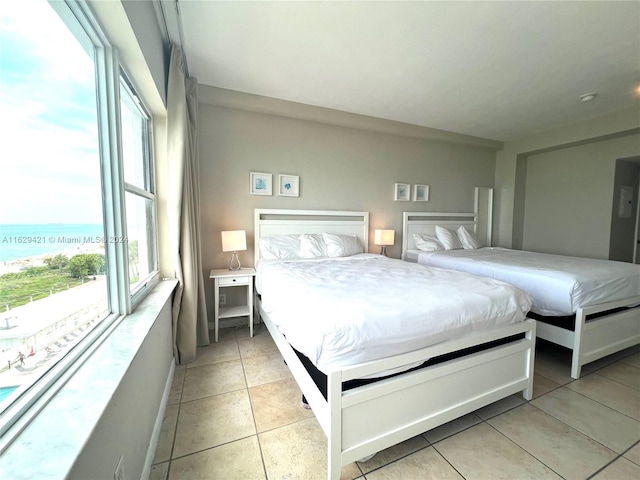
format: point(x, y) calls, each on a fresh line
point(28, 240)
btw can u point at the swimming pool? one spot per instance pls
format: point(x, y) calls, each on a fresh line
point(6, 391)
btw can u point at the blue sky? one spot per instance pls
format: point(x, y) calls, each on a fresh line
point(49, 165)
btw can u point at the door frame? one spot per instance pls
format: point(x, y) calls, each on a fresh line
point(636, 256)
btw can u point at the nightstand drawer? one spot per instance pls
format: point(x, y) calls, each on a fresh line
point(231, 281)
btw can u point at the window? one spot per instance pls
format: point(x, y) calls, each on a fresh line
point(78, 223)
point(139, 188)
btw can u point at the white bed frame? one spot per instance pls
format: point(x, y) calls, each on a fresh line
point(591, 339)
point(370, 418)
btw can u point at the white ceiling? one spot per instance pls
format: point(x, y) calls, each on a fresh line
point(496, 70)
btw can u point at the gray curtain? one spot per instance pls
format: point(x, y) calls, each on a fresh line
point(190, 324)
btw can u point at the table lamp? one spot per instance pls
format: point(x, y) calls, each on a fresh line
point(384, 238)
point(234, 241)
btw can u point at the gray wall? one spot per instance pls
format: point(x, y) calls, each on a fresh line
point(340, 168)
point(569, 195)
point(143, 20)
point(509, 207)
point(127, 424)
point(623, 228)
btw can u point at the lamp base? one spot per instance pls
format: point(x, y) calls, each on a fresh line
point(234, 263)
point(383, 250)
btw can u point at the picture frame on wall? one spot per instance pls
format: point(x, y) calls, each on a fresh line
point(288, 185)
point(260, 183)
point(421, 193)
point(402, 192)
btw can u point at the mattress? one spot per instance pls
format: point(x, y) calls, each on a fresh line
point(347, 310)
point(557, 284)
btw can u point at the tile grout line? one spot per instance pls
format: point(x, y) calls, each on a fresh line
point(253, 415)
point(617, 381)
point(521, 447)
point(620, 455)
point(175, 427)
point(580, 431)
point(604, 404)
point(445, 458)
point(595, 372)
point(364, 475)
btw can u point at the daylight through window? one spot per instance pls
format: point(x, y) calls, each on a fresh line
point(77, 223)
point(140, 195)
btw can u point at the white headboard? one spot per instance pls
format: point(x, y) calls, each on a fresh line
point(281, 222)
point(425, 222)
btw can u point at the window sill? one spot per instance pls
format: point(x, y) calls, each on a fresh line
point(50, 444)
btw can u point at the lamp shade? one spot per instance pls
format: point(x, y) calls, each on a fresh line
point(384, 237)
point(234, 241)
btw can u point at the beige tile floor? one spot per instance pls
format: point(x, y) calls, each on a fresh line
point(235, 413)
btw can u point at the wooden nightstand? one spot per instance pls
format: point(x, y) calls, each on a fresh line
point(224, 278)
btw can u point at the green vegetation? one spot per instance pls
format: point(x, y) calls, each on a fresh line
point(86, 264)
point(59, 261)
point(133, 259)
point(134, 275)
point(59, 273)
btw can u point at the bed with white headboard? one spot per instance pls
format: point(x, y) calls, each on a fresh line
point(269, 222)
point(425, 223)
point(369, 418)
point(589, 306)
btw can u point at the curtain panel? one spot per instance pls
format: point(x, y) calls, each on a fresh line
point(190, 323)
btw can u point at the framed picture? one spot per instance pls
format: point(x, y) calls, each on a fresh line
point(260, 183)
point(402, 192)
point(288, 185)
point(421, 193)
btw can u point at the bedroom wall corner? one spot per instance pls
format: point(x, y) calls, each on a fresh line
point(569, 198)
point(513, 160)
point(504, 201)
point(623, 220)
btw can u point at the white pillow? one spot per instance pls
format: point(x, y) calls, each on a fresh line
point(312, 246)
point(448, 239)
point(279, 246)
point(468, 240)
point(427, 243)
point(342, 245)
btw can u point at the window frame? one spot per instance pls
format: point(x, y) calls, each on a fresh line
point(153, 278)
point(80, 20)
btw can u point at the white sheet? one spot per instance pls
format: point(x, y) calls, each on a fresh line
point(558, 284)
point(347, 310)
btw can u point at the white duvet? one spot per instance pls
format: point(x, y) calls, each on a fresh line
point(558, 284)
point(347, 310)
